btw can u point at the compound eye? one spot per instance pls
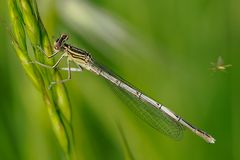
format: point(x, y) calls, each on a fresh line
point(60, 42)
point(64, 37)
point(57, 45)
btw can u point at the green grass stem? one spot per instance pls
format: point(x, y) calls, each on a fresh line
point(26, 24)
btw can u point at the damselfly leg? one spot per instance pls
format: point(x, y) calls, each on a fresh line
point(69, 69)
point(54, 54)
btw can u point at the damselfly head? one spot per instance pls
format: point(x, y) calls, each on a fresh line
point(60, 41)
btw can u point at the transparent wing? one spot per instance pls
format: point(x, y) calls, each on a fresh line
point(152, 116)
point(149, 114)
point(220, 61)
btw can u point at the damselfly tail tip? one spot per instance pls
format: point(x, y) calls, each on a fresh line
point(208, 138)
point(213, 140)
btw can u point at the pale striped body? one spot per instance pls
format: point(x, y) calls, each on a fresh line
point(153, 103)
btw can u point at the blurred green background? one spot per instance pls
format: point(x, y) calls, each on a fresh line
point(162, 47)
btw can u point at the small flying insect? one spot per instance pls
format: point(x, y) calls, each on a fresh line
point(219, 65)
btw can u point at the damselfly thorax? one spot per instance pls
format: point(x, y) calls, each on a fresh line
point(77, 55)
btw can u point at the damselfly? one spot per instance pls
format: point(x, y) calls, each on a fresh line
point(152, 112)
